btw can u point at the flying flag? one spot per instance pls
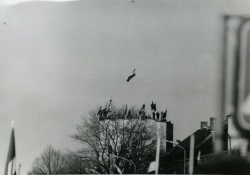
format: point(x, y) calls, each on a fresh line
point(131, 76)
point(10, 167)
point(125, 112)
point(142, 108)
point(100, 111)
point(105, 111)
point(133, 71)
point(110, 103)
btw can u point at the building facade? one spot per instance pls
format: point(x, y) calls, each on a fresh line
point(204, 139)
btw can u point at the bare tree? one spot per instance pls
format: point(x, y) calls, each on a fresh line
point(51, 161)
point(75, 165)
point(117, 142)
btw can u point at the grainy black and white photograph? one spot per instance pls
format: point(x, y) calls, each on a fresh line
point(124, 87)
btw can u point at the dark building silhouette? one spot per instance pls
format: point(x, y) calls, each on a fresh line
point(169, 134)
point(172, 161)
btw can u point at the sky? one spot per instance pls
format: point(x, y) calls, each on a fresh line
point(60, 60)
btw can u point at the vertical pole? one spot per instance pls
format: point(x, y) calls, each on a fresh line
point(191, 155)
point(134, 168)
point(219, 127)
point(184, 161)
point(158, 147)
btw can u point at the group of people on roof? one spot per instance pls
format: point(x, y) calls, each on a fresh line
point(103, 113)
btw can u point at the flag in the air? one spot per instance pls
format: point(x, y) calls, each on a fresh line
point(103, 112)
point(10, 167)
point(107, 109)
point(110, 103)
point(100, 111)
point(142, 108)
point(131, 76)
point(125, 112)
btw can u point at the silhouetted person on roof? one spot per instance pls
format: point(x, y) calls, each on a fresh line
point(157, 115)
point(164, 116)
point(161, 116)
point(129, 114)
point(153, 113)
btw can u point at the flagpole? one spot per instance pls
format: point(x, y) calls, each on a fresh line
point(134, 88)
point(158, 147)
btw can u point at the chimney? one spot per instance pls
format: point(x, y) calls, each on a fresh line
point(212, 123)
point(169, 134)
point(204, 124)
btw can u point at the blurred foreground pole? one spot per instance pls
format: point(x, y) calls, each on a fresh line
point(229, 73)
point(235, 79)
point(219, 128)
point(191, 155)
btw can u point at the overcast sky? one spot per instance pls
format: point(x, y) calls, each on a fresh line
point(58, 61)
